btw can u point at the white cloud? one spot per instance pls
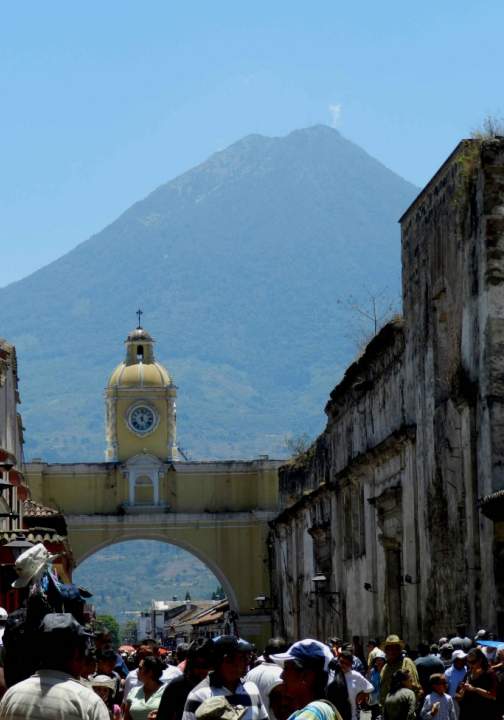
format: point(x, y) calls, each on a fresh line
point(335, 111)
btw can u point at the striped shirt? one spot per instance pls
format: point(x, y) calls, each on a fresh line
point(317, 710)
point(245, 694)
point(52, 695)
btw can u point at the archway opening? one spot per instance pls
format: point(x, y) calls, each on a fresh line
point(151, 588)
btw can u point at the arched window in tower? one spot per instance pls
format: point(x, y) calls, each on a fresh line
point(140, 353)
point(144, 490)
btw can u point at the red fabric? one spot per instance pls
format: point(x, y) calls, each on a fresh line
point(23, 492)
point(15, 478)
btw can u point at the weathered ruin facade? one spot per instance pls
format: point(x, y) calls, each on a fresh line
point(393, 520)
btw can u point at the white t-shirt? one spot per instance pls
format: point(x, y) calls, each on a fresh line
point(356, 683)
point(52, 695)
point(169, 673)
point(266, 676)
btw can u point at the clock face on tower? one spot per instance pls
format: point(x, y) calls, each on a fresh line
point(142, 419)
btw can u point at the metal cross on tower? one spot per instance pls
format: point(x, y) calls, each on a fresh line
point(139, 313)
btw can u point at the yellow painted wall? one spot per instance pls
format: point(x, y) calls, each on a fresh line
point(128, 442)
point(102, 487)
point(217, 511)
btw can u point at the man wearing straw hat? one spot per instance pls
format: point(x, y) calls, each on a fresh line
point(396, 660)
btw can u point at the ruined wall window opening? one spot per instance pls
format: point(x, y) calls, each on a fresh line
point(354, 531)
point(322, 558)
point(140, 353)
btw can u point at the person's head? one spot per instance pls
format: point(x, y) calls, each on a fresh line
point(102, 639)
point(231, 657)
point(461, 629)
point(458, 659)
point(305, 670)
point(476, 660)
point(371, 644)
point(345, 660)
point(480, 635)
point(150, 670)
point(89, 663)
point(446, 651)
point(274, 646)
point(393, 648)
point(199, 659)
point(335, 644)
point(106, 661)
point(499, 655)
point(423, 649)
point(434, 649)
point(103, 686)
point(152, 644)
point(438, 683)
point(62, 644)
point(146, 648)
point(181, 652)
point(379, 660)
point(400, 679)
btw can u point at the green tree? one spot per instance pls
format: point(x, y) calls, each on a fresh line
point(110, 623)
point(188, 595)
point(218, 593)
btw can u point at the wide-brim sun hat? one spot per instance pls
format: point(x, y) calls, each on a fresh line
point(305, 653)
point(102, 681)
point(393, 640)
point(219, 708)
point(32, 563)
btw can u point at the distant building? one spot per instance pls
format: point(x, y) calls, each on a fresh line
point(22, 521)
point(215, 621)
point(13, 490)
point(171, 622)
point(393, 521)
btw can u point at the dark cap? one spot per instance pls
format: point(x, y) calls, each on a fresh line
point(225, 644)
point(62, 623)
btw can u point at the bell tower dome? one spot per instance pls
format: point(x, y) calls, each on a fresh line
point(140, 401)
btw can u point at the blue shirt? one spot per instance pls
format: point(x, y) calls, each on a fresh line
point(446, 707)
point(454, 677)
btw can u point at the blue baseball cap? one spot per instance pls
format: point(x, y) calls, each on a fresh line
point(306, 653)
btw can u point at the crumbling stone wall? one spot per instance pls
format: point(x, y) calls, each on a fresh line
point(415, 436)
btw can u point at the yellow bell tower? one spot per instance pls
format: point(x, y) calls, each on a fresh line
point(140, 403)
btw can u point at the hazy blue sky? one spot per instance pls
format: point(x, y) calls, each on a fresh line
point(103, 101)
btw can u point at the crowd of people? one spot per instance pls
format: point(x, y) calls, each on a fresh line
point(55, 665)
point(80, 675)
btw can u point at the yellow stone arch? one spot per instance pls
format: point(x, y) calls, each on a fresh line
point(217, 511)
